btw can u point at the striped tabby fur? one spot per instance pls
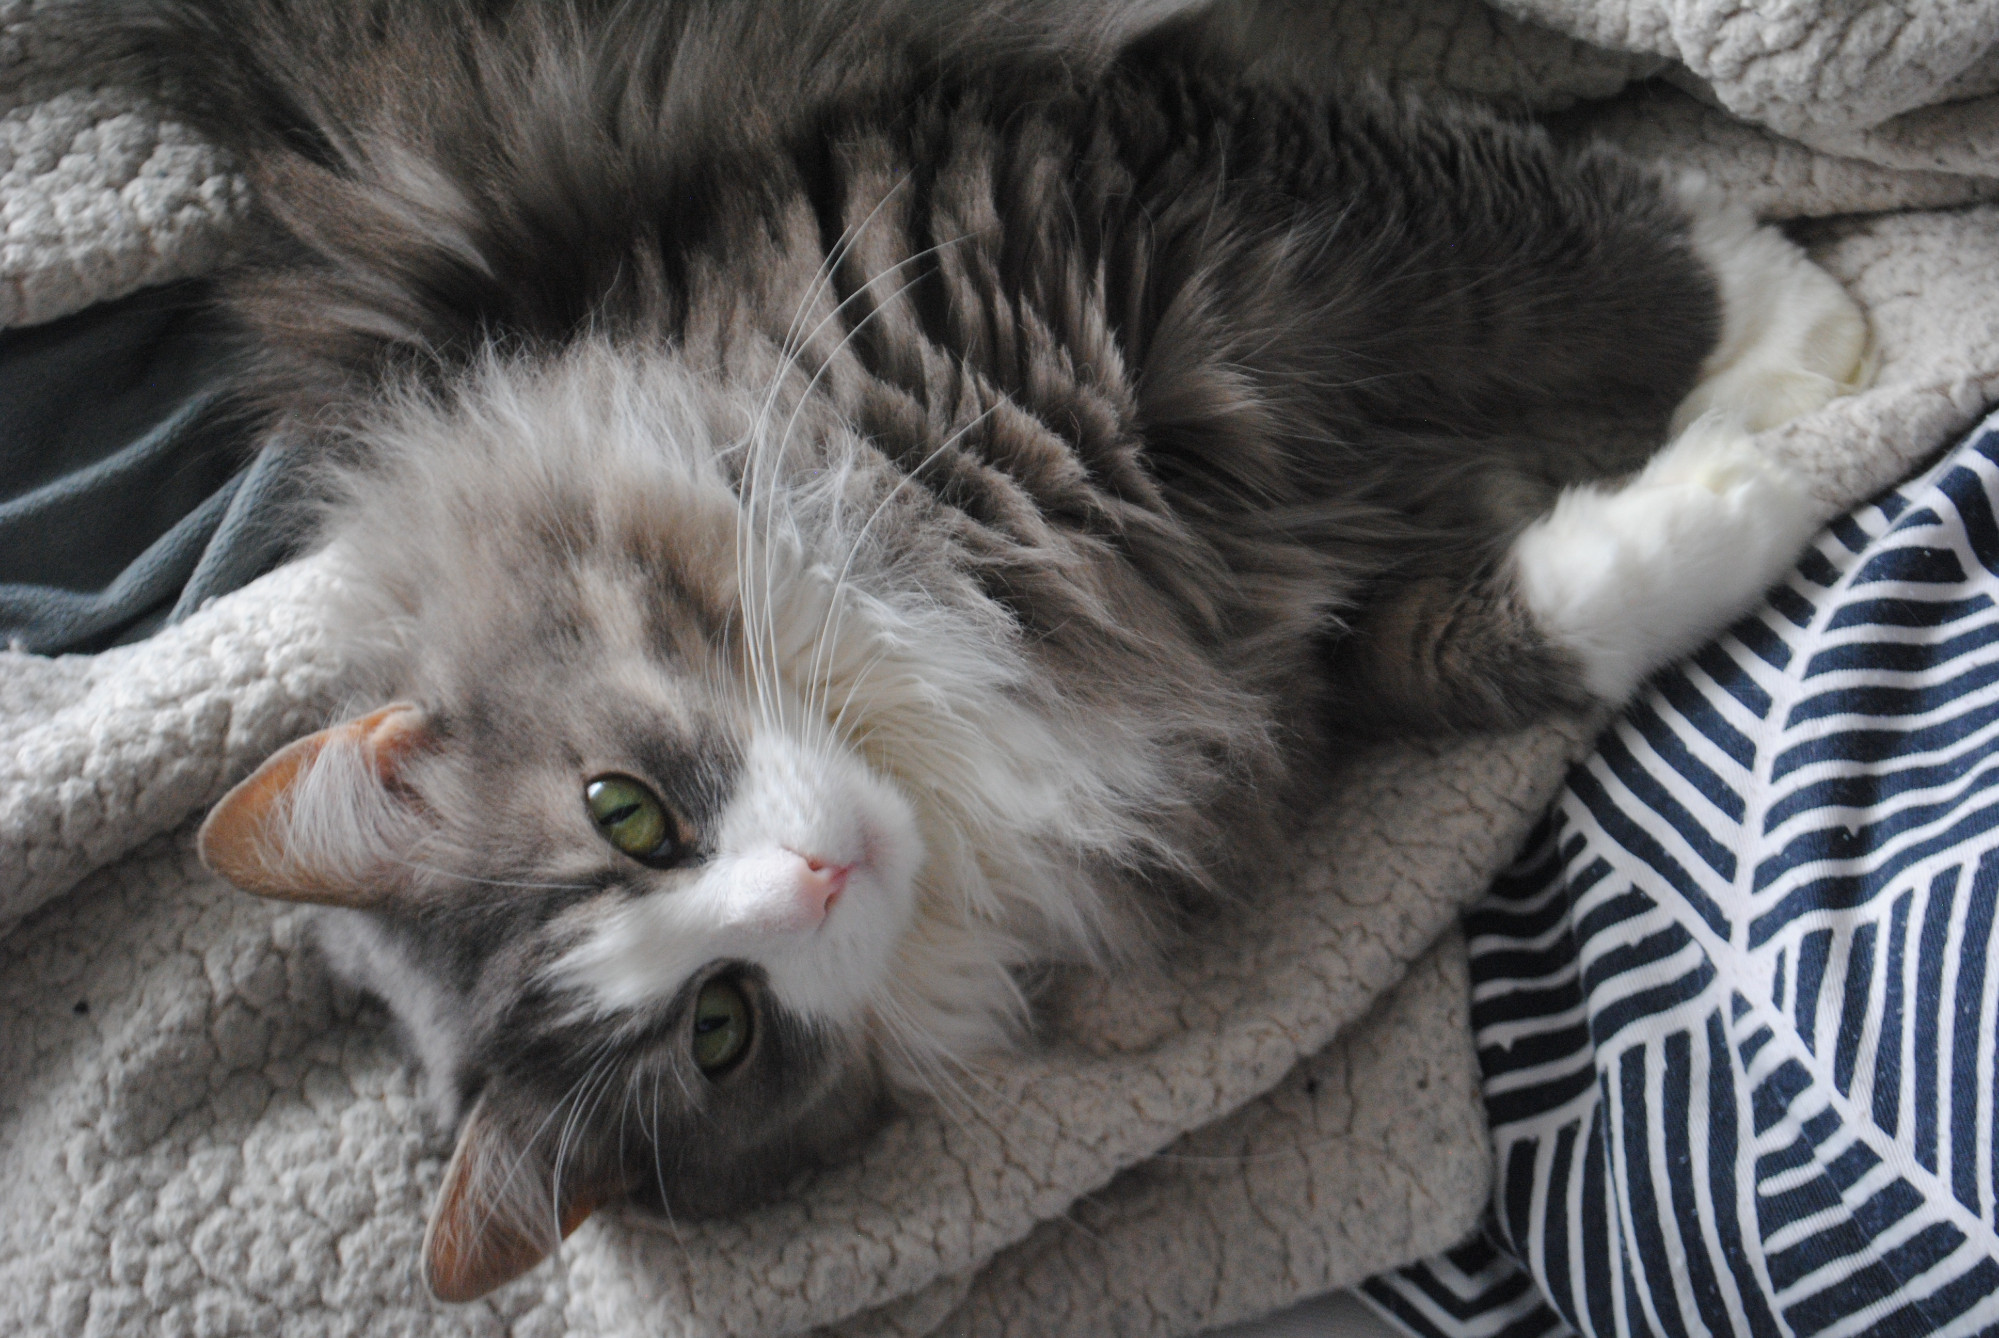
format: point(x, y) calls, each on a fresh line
point(998, 459)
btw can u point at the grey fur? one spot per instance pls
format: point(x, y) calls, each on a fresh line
point(1217, 403)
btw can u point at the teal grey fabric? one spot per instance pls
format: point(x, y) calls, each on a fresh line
point(127, 491)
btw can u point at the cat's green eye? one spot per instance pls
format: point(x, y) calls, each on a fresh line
point(630, 817)
point(721, 1025)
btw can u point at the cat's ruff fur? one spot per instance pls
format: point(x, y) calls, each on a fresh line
point(1032, 436)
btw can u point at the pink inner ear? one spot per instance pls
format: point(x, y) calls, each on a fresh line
point(240, 839)
point(469, 1251)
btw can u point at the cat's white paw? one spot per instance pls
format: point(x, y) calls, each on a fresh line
point(1628, 577)
point(1791, 338)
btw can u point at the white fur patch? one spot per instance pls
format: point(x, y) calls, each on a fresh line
point(1791, 338)
point(1629, 578)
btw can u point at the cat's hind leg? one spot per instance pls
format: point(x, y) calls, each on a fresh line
point(1626, 576)
point(1621, 576)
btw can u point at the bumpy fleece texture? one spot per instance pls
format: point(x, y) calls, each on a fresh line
point(199, 1135)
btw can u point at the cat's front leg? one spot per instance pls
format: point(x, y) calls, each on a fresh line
point(1627, 576)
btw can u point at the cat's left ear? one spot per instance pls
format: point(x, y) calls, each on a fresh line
point(502, 1210)
point(319, 820)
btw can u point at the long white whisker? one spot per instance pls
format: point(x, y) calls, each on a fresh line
point(840, 721)
point(805, 396)
point(849, 238)
point(835, 610)
point(521, 1154)
point(787, 357)
point(577, 1119)
point(659, 1167)
point(793, 346)
point(454, 876)
point(769, 625)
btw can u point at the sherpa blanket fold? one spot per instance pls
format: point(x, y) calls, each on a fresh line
point(200, 1134)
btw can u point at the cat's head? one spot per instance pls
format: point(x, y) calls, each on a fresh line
point(634, 899)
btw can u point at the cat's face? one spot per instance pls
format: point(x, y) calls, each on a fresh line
point(643, 939)
point(628, 892)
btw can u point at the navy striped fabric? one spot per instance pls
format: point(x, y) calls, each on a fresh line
point(1737, 1007)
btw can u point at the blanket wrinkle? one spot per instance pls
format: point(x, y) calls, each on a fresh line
point(1795, 67)
point(204, 1134)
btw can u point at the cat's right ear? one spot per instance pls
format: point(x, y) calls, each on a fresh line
point(326, 818)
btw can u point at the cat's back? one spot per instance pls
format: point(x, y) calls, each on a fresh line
point(438, 175)
point(1146, 333)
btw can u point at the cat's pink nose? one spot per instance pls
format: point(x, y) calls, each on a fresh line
point(820, 883)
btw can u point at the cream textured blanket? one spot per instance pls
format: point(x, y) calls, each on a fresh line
point(199, 1135)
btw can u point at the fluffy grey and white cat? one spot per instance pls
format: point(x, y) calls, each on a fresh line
point(842, 503)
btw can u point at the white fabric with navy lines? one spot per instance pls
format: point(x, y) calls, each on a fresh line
point(1737, 1006)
